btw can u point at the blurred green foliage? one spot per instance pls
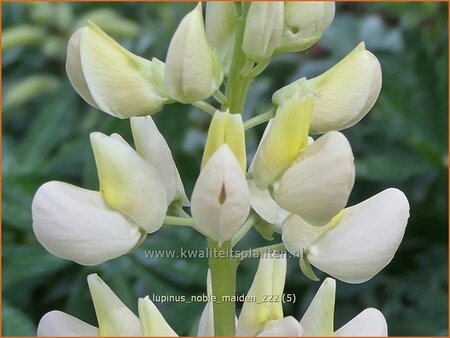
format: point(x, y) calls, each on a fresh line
point(401, 143)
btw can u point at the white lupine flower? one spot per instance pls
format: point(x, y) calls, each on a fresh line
point(304, 24)
point(358, 243)
point(318, 319)
point(263, 30)
point(284, 327)
point(318, 185)
point(220, 26)
point(128, 183)
point(220, 201)
point(193, 70)
point(114, 318)
point(91, 227)
point(112, 79)
point(344, 94)
point(312, 180)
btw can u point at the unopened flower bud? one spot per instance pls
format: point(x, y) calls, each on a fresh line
point(263, 30)
point(304, 23)
point(193, 69)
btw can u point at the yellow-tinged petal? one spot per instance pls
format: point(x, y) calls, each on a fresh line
point(152, 322)
point(345, 93)
point(226, 128)
point(114, 318)
point(263, 30)
point(318, 319)
point(128, 183)
point(111, 78)
point(287, 136)
point(193, 70)
point(269, 281)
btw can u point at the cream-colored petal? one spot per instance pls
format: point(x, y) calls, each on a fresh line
point(74, 68)
point(153, 148)
point(114, 318)
point(120, 83)
point(369, 322)
point(365, 239)
point(266, 207)
point(193, 71)
point(226, 128)
point(221, 199)
point(288, 134)
point(60, 324)
point(220, 25)
point(152, 321)
point(304, 24)
point(318, 319)
point(285, 327)
point(268, 282)
point(263, 29)
point(79, 225)
point(206, 324)
point(347, 91)
point(128, 183)
point(317, 187)
point(298, 235)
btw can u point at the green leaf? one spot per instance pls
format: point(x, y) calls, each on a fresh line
point(15, 322)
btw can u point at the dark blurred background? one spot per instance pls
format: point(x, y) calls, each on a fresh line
point(401, 143)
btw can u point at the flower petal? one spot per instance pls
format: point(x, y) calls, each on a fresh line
point(317, 187)
point(365, 239)
point(77, 224)
point(221, 199)
point(114, 318)
point(370, 322)
point(128, 183)
point(263, 30)
point(153, 148)
point(288, 134)
point(347, 91)
point(269, 280)
point(285, 327)
point(152, 321)
point(60, 324)
point(265, 206)
point(318, 319)
point(297, 234)
point(193, 71)
point(119, 83)
point(206, 324)
point(304, 23)
point(220, 26)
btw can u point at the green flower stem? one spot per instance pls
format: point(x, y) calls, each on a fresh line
point(237, 84)
point(205, 107)
point(221, 98)
point(258, 252)
point(183, 221)
point(223, 279)
point(249, 223)
point(258, 119)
